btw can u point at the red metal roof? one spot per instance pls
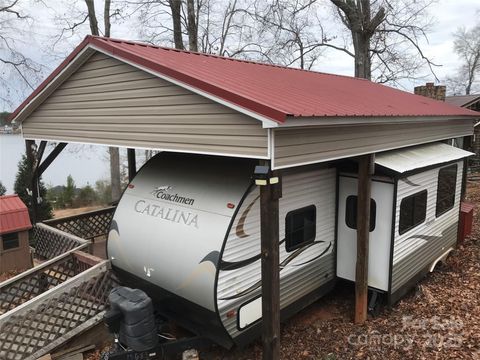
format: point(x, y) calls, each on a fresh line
point(13, 214)
point(269, 90)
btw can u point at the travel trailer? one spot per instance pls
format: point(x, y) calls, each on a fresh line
point(190, 225)
point(187, 232)
point(414, 212)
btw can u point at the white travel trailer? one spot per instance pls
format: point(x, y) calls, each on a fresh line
point(190, 224)
point(415, 204)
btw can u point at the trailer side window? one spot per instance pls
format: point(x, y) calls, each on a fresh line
point(351, 213)
point(300, 227)
point(413, 211)
point(446, 186)
point(10, 241)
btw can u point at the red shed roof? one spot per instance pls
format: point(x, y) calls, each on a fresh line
point(13, 214)
point(271, 91)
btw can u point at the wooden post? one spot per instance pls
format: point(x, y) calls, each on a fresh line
point(31, 159)
point(270, 193)
point(132, 165)
point(365, 170)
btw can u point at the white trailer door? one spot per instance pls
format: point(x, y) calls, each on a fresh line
point(380, 234)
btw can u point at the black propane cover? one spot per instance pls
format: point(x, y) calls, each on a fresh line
point(134, 310)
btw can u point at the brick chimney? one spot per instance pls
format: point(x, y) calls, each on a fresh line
point(431, 91)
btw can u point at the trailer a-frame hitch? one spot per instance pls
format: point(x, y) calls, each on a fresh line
point(161, 351)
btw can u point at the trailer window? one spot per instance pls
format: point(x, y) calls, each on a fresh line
point(351, 213)
point(300, 227)
point(446, 186)
point(10, 241)
point(413, 211)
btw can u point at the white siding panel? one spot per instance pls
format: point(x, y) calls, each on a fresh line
point(419, 247)
point(299, 276)
point(109, 102)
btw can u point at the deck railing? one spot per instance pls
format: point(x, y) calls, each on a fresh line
point(64, 295)
point(51, 242)
point(44, 322)
point(88, 226)
point(39, 279)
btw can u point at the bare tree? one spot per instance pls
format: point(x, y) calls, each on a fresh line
point(176, 14)
point(192, 24)
point(106, 17)
point(211, 26)
point(15, 66)
point(292, 28)
point(467, 47)
point(386, 36)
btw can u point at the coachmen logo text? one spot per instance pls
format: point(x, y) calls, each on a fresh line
point(166, 213)
point(161, 192)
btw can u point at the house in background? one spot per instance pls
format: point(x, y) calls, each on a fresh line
point(471, 102)
point(14, 226)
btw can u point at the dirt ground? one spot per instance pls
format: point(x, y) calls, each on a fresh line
point(440, 319)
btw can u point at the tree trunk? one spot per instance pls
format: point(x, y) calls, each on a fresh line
point(92, 18)
point(176, 9)
point(115, 172)
point(361, 44)
point(106, 18)
point(192, 26)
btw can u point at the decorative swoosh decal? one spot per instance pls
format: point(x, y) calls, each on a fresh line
point(227, 266)
point(316, 257)
point(212, 257)
point(114, 226)
point(431, 237)
point(239, 230)
point(282, 266)
point(425, 237)
point(408, 182)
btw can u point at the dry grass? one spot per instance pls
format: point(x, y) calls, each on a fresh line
point(69, 212)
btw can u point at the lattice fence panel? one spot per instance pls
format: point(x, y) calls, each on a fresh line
point(46, 277)
point(88, 225)
point(50, 243)
point(58, 317)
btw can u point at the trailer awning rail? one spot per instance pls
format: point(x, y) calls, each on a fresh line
point(417, 157)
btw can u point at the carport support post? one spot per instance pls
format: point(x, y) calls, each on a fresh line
point(132, 165)
point(270, 193)
point(366, 169)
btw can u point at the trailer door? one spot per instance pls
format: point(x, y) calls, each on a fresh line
point(381, 208)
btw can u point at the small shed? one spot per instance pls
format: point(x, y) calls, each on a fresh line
point(14, 226)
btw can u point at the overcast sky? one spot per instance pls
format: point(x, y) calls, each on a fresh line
point(448, 15)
